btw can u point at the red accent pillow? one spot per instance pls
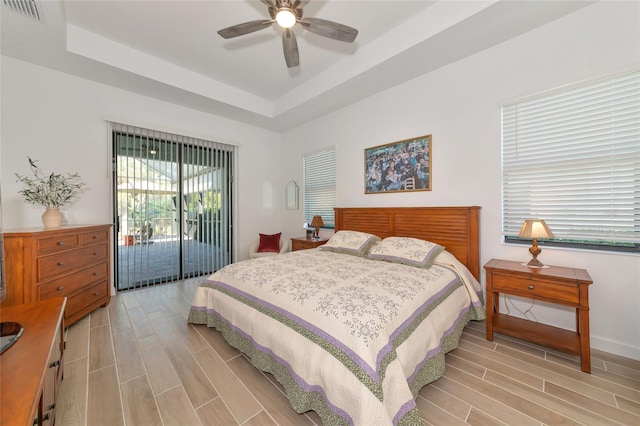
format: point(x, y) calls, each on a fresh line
point(269, 243)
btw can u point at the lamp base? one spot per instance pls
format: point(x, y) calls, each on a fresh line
point(535, 251)
point(535, 263)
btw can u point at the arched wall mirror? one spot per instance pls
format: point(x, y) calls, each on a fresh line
point(292, 195)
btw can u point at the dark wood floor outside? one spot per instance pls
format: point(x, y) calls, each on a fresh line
point(138, 362)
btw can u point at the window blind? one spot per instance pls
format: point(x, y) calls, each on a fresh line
point(320, 186)
point(572, 158)
point(173, 204)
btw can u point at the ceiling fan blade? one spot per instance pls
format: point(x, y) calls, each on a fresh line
point(299, 4)
point(244, 28)
point(330, 29)
point(290, 47)
point(269, 3)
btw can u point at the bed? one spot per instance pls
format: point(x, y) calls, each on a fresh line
point(354, 329)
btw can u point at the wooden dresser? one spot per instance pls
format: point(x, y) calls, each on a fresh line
point(71, 261)
point(32, 368)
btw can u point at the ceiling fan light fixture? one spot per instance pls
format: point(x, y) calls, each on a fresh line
point(286, 18)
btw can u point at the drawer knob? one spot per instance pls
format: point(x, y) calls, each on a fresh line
point(60, 263)
point(95, 273)
point(96, 294)
point(95, 253)
point(95, 238)
point(531, 287)
point(60, 288)
point(60, 243)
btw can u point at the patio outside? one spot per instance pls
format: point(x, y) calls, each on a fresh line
point(161, 238)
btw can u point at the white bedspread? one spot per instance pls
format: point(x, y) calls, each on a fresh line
point(352, 338)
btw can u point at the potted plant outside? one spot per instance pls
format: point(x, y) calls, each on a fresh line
point(50, 191)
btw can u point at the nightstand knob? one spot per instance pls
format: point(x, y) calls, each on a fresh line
point(531, 287)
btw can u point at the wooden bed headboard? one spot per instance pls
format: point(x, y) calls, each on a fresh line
point(457, 229)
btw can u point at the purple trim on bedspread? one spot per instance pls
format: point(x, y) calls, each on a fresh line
point(299, 380)
point(199, 308)
point(307, 325)
point(410, 320)
point(410, 405)
point(479, 301)
point(438, 348)
point(406, 407)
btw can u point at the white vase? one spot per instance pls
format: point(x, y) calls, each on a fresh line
point(52, 218)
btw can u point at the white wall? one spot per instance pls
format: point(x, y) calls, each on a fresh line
point(59, 120)
point(459, 105)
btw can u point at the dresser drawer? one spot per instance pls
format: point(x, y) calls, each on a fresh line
point(56, 244)
point(66, 285)
point(94, 237)
point(87, 299)
point(60, 264)
point(537, 289)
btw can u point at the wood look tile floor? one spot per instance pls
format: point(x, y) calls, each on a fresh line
point(138, 362)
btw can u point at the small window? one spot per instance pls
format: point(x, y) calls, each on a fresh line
point(320, 186)
point(572, 158)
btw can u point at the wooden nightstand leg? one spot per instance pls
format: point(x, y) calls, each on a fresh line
point(585, 345)
point(489, 308)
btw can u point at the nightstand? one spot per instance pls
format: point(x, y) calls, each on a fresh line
point(303, 243)
point(564, 286)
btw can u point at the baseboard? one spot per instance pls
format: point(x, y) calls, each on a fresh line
point(614, 347)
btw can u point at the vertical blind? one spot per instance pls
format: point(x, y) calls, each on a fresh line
point(320, 186)
point(172, 206)
point(572, 158)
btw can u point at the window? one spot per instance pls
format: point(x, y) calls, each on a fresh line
point(320, 186)
point(173, 206)
point(572, 158)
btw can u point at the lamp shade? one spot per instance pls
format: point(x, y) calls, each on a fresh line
point(317, 222)
point(535, 228)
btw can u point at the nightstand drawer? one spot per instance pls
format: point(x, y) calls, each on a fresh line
point(537, 289)
point(306, 243)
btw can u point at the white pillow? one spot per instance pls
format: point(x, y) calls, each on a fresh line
point(350, 242)
point(406, 250)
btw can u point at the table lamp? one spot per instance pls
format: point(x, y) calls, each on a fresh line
point(316, 222)
point(534, 229)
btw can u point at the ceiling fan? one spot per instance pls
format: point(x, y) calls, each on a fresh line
point(286, 14)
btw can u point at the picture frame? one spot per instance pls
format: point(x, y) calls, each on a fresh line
point(410, 162)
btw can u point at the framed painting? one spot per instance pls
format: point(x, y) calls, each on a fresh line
point(402, 166)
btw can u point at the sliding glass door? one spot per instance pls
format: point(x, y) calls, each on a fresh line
point(172, 206)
